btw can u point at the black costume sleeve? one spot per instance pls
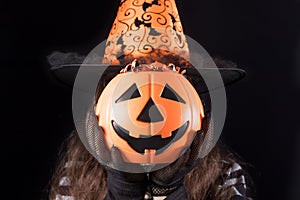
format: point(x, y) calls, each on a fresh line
point(234, 181)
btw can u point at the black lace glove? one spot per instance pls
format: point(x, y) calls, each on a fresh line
point(124, 185)
point(120, 185)
point(169, 181)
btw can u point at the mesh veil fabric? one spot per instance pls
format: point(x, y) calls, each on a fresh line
point(208, 141)
point(96, 139)
point(162, 191)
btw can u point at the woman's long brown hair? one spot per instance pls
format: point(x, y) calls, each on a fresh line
point(88, 178)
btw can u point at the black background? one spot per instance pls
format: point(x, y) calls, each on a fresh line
point(262, 125)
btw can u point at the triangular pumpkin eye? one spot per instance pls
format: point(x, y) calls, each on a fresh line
point(169, 93)
point(131, 93)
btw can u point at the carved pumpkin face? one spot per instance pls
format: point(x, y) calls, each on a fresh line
point(151, 117)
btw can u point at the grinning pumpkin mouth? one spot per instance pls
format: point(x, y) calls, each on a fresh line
point(151, 142)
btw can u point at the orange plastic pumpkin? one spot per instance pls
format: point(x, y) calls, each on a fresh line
point(151, 117)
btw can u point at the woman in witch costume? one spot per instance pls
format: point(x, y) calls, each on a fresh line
point(150, 131)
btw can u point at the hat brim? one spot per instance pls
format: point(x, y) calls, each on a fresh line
point(66, 73)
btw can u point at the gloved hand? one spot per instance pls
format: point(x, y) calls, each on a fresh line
point(169, 181)
point(120, 185)
point(124, 185)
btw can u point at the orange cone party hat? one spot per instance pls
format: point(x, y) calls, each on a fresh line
point(145, 29)
point(149, 31)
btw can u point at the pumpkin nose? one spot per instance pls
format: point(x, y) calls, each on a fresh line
point(150, 113)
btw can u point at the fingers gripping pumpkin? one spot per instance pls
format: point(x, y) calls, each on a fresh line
point(150, 116)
